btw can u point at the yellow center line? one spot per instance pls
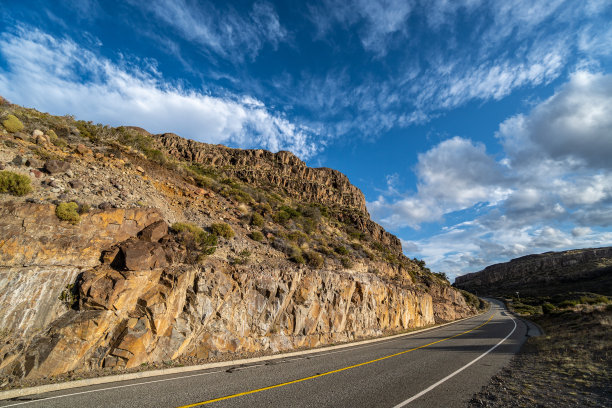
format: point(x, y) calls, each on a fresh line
point(240, 394)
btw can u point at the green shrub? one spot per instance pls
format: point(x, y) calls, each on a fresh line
point(569, 303)
point(68, 212)
point(242, 258)
point(341, 250)
point(257, 236)
point(13, 183)
point(548, 307)
point(222, 229)
point(346, 262)
point(205, 243)
point(313, 259)
point(293, 213)
point(257, 220)
point(297, 256)
point(281, 217)
point(12, 124)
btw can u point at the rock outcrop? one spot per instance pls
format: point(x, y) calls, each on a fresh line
point(579, 269)
point(284, 171)
point(40, 256)
point(156, 307)
point(264, 254)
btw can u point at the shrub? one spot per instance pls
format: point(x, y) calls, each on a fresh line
point(293, 213)
point(257, 220)
point(296, 256)
point(205, 243)
point(569, 303)
point(341, 250)
point(281, 217)
point(12, 124)
point(346, 262)
point(441, 275)
point(548, 307)
point(68, 212)
point(84, 208)
point(222, 229)
point(242, 258)
point(13, 183)
point(314, 260)
point(257, 236)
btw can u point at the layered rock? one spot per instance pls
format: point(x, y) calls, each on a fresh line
point(127, 308)
point(581, 269)
point(285, 172)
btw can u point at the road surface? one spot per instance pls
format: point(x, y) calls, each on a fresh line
point(442, 367)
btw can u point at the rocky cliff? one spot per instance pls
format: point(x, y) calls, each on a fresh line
point(284, 171)
point(119, 248)
point(576, 270)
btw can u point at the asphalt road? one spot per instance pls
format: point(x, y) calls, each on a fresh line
point(442, 367)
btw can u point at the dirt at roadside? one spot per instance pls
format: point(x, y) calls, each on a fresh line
point(569, 366)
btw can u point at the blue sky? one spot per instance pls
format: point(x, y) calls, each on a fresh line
point(478, 131)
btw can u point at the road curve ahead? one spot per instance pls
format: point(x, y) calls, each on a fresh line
point(442, 367)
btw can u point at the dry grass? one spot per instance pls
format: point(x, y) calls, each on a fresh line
point(569, 366)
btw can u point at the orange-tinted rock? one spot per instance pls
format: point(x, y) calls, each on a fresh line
point(154, 232)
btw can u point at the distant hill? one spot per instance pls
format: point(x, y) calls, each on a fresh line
point(579, 270)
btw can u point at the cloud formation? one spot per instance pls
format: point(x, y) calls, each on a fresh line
point(552, 189)
point(59, 76)
point(221, 31)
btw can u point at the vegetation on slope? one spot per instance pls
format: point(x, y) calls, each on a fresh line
point(307, 233)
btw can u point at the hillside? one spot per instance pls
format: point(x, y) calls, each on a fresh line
point(121, 249)
point(586, 270)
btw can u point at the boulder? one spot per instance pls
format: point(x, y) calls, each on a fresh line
point(32, 162)
point(18, 160)
point(76, 184)
point(56, 166)
point(142, 255)
point(84, 150)
point(154, 232)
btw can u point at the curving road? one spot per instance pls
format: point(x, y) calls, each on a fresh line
point(442, 367)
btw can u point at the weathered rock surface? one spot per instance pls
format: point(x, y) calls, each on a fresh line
point(579, 269)
point(39, 256)
point(56, 166)
point(286, 172)
point(159, 308)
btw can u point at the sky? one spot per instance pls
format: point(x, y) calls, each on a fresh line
point(479, 131)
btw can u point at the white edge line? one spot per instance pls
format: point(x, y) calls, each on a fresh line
point(41, 389)
point(451, 375)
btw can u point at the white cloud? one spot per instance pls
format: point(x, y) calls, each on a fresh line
point(454, 175)
point(58, 76)
point(576, 122)
point(551, 191)
point(224, 32)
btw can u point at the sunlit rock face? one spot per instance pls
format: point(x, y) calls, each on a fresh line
point(70, 302)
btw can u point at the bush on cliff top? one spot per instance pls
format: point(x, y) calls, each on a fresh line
point(68, 212)
point(12, 124)
point(13, 183)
